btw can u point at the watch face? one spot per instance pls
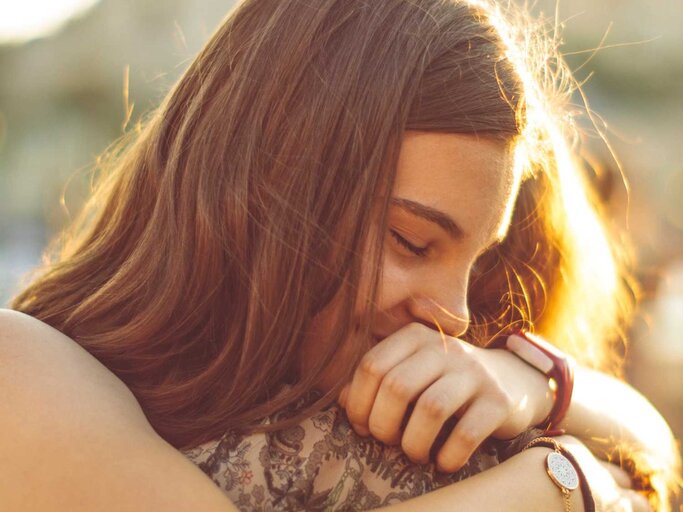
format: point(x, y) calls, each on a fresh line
point(562, 471)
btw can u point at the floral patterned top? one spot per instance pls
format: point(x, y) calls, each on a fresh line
point(322, 464)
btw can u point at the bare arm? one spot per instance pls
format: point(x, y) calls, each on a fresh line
point(610, 417)
point(616, 422)
point(519, 483)
point(607, 408)
point(73, 438)
point(604, 411)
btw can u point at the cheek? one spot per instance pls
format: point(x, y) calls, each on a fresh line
point(395, 284)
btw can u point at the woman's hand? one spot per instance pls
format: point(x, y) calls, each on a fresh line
point(610, 485)
point(491, 391)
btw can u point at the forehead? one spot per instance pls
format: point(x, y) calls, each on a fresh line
point(472, 179)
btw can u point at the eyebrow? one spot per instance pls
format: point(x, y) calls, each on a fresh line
point(435, 216)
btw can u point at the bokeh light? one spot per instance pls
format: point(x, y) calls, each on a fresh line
point(28, 19)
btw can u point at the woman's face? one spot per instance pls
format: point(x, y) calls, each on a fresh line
point(452, 200)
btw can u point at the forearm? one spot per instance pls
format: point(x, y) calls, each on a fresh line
point(616, 422)
point(519, 483)
point(606, 413)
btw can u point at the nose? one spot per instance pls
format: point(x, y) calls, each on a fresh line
point(442, 303)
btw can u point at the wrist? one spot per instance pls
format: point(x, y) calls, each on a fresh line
point(556, 367)
point(548, 491)
point(544, 397)
point(531, 391)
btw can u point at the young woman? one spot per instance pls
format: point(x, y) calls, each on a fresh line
point(339, 201)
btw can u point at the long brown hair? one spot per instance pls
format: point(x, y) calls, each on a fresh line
point(233, 212)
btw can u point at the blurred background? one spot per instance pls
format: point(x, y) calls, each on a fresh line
point(75, 73)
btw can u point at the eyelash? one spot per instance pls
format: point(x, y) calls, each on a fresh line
point(418, 251)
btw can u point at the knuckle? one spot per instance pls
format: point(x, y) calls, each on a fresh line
point(397, 386)
point(370, 367)
point(467, 439)
point(434, 404)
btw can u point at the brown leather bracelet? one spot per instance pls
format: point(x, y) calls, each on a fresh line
point(548, 359)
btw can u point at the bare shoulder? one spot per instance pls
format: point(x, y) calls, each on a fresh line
point(73, 437)
point(42, 362)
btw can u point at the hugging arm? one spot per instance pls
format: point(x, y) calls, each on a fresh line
point(616, 423)
point(74, 439)
point(520, 483)
point(98, 452)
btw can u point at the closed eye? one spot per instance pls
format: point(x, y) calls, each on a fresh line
point(418, 251)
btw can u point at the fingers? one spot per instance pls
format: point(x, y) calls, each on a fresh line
point(401, 385)
point(414, 365)
point(480, 419)
point(620, 476)
point(632, 501)
point(435, 405)
point(369, 374)
point(628, 498)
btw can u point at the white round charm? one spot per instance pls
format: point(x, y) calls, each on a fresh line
point(562, 471)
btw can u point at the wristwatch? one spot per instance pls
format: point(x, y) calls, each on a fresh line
point(564, 471)
point(549, 360)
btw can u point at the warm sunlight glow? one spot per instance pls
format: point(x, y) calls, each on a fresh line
point(547, 133)
point(27, 19)
point(658, 458)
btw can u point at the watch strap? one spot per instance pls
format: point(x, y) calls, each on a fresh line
point(551, 361)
